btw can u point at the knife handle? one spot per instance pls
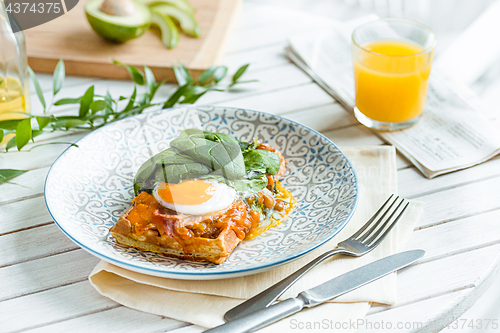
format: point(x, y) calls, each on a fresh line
point(268, 296)
point(261, 318)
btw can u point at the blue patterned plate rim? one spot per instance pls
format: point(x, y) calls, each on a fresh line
point(223, 274)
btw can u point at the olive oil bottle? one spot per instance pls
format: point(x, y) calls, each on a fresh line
point(14, 80)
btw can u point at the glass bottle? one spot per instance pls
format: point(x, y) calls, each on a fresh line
point(14, 79)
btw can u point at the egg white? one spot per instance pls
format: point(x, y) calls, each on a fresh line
point(223, 197)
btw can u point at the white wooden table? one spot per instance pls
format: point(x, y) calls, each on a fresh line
point(43, 275)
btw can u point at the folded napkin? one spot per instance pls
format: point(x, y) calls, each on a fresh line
point(205, 302)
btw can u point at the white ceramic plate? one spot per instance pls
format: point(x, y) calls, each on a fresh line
point(88, 188)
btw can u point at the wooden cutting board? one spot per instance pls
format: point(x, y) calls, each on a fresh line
point(71, 38)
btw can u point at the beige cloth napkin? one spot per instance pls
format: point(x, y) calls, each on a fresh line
point(204, 302)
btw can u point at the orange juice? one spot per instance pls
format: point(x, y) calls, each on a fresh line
point(391, 80)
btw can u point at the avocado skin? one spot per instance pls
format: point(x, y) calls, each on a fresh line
point(116, 33)
point(111, 27)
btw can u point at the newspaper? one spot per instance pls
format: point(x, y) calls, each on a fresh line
point(452, 133)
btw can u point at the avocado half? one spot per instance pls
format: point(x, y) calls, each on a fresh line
point(118, 28)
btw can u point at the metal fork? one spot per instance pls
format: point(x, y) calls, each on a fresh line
point(362, 242)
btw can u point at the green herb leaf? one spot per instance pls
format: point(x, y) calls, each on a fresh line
point(179, 76)
point(191, 99)
point(37, 88)
point(240, 82)
point(70, 123)
point(142, 99)
point(58, 77)
point(35, 133)
point(10, 125)
point(42, 122)
point(64, 101)
point(11, 143)
point(130, 104)
point(136, 75)
point(85, 102)
point(153, 91)
point(207, 75)
point(186, 72)
point(7, 174)
point(97, 106)
point(182, 75)
point(54, 143)
point(23, 133)
point(174, 98)
point(65, 118)
point(240, 72)
point(150, 82)
point(220, 73)
point(1, 135)
point(194, 91)
point(109, 107)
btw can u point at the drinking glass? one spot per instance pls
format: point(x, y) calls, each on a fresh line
point(392, 62)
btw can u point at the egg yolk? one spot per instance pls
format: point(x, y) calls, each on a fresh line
point(188, 192)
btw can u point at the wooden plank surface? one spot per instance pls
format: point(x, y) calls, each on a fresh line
point(124, 319)
point(71, 38)
point(50, 306)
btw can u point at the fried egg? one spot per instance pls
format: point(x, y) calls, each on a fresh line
point(194, 197)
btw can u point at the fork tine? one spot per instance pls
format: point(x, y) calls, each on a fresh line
point(388, 229)
point(379, 220)
point(370, 237)
point(367, 224)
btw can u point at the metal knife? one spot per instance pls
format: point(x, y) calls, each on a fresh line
point(320, 294)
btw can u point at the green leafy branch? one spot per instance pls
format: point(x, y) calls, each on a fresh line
point(96, 110)
point(8, 174)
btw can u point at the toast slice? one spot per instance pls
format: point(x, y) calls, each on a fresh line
point(200, 248)
point(196, 238)
point(210, 237)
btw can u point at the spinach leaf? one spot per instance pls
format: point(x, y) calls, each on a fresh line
point(219, 137)
point(244, 145)
point(254, 184)
point(174, 167)
point(144, 173)
point(206, 155)
point(262, 160)
point(168, 166)
point(220, 152)
point(247, 146)
point(175, 173)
